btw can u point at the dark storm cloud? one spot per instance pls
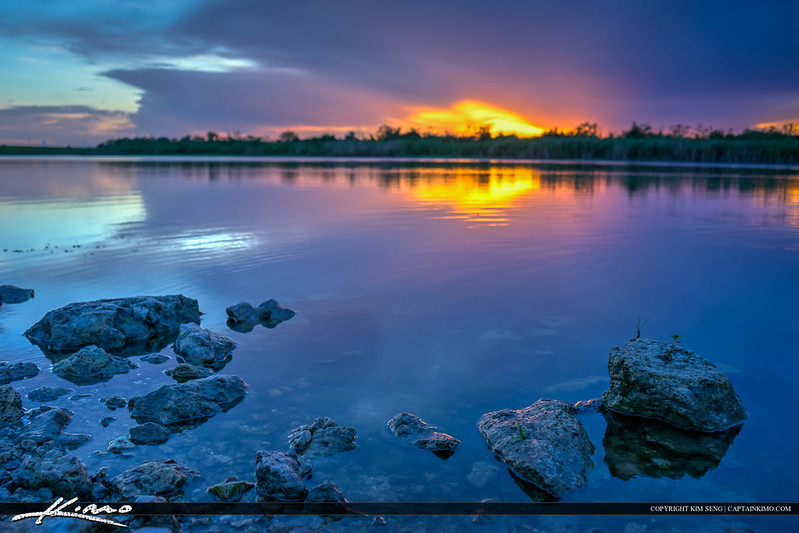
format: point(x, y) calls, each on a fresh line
point(726, 62)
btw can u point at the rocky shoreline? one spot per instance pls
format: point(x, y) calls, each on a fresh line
point(668, 411)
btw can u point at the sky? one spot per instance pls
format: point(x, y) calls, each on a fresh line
point(79, 72)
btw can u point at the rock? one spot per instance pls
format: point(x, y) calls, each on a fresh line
point(201, 347)
point(669, 383)
point(278, 476)
point(422, 434)
point(185, 372)
point(10, 405)
point(636, 446)
point(155, 478)
point(120, 444)
point(543, 444)
point(46, 427)
point(323, 437)
point(105, 422)
point(10, 294)
point(242, 317)
point(92, 365)
point(231, 490)
point(114, 402)
point(186, 403)
point(326, 492)
point(47, 394)
point(155, 358)
point(16, 371)
point(593, 405)
point(123, 326)
point(63, 474)
point(149, 434)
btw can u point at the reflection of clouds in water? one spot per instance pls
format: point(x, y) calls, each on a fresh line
point(575, 384)
point(216, 242)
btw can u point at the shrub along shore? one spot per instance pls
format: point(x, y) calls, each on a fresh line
point(637, 144)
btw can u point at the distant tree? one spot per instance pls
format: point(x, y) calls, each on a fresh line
point(679, 130)
point(483, 133)
point(386, 133)
point(211, 136)
point(637, 131)
point(586, 129)
point(288, 136)
point(350, 136)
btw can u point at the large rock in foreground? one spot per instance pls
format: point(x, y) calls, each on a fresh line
point(543, 444)
point(187, 403)
point(123, 326)
point(665, 382)
point(92, 365)
point(278, 476)
point(156, 478)
point(62, 473)
point(201, 347)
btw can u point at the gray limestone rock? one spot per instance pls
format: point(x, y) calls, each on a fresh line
point(422, 434)
point(9, 294)
point(46, 428)
point(326, 492)
point(62, 473)
point(149, 433)
point(323, 437)
point(187, 403)
point(123, 326)
point(243, 317)
point(201, 347)
point(16, 371)
point(120, 445)
point(47, 394)
point(185, 372)
point(10, 405)
point(669, 383)
point(155, 478)
point(91, 365)
point(278, 476)
point(231, 490)
point(114, 402)
point(543, 444)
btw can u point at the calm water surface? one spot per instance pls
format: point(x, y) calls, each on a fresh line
point(446, 290)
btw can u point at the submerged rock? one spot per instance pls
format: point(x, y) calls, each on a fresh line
point(186, 403)
point(155, 478)
point(105, 422)
point(155, 358)
point(92, 365)
point(120, 444)
point(47, 394)
point(185, 372)
point(422, 434)
point(149, 433)
point(123, 326)
point(543, 444)
point(16, 371)
point(114, 402)
point(243, 317)
point(641, 446)
point(9, 294)
point(323, 437)
point(278, 476)
point(201, 347)
point(669, 383)
point(231, 490)
point(10, 405)
point(46, 428)
point(57, 471)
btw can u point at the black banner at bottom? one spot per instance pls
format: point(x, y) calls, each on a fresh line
point(72, 508)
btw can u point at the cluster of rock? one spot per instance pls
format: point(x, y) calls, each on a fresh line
point(279, 477)
point(323, 437)
point(243, 317)
point(669, 412)
point(422, 434)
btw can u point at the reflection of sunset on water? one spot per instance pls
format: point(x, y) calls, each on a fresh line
point(483, 198)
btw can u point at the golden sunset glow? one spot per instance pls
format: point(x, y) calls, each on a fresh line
point(483, 198)
point(466, 116)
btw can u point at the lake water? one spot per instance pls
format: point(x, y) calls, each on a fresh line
point(447, 289)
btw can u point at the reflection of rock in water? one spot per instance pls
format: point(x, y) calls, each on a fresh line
point(641, 446)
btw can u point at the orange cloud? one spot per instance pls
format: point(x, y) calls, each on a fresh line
point(466, 116)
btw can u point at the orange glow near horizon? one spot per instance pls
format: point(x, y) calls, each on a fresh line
point(467, 116)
